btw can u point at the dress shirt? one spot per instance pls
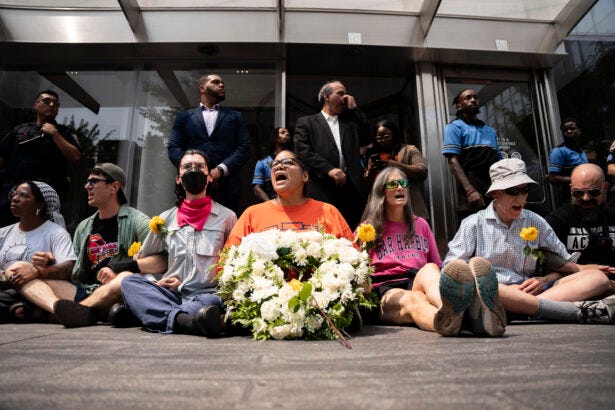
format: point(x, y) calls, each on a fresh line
point(334, 124)
point(210, 116)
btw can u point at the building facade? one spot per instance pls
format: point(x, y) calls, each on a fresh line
point(124, 69)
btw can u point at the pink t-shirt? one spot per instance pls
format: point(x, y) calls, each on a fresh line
point(394, 257)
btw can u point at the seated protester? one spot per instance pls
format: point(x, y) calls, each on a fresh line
point(37, 247)
point(390, 151)
point(261, 183)
point(187, 242)
point(291, 209)
point(494, 234)
point(586, 224)
point(405, 256)
point(101, 243)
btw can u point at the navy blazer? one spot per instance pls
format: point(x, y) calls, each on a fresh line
point(229, 142)
point(315, 145)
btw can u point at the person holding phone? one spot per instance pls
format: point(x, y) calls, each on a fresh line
point(388, 150)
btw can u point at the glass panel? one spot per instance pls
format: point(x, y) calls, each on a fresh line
point(51, 4)
point(206, 3)
point(409, 6)
point(599, 21)
point(518, 9)
point(507, 106)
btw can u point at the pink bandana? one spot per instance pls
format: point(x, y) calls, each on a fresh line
point(194, 213)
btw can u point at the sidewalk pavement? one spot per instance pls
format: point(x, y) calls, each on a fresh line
point(536, 365)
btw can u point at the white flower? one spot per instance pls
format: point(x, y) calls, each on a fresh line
point(258, 267)
point(258, 244)
point(280, 332)
point(349, 254)
point(270, 310)
point(263, 288)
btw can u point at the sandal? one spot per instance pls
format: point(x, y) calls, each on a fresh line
point(26, 312)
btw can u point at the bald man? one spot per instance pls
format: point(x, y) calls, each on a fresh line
point(586, 224)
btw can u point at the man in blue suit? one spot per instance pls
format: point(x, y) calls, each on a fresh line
point(221, 134)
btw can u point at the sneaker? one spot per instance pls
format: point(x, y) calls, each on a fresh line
point(487, 316)
point(121, 316)
point(73, 314)
point(597, 311)
point(208, 321)
point(457, 292)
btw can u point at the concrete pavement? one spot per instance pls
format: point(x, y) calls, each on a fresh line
point(536, 365)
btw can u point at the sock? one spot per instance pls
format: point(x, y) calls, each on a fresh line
point(560, 311)
point(183, 324)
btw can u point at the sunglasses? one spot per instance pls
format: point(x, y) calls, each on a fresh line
point(517, 191)
point(580, 193)
point(93, 181)
point(284, 163)
point(396, 183)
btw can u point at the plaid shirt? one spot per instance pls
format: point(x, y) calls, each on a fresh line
point(484, 234)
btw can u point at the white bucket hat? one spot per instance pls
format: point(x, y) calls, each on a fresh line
point(508, 173)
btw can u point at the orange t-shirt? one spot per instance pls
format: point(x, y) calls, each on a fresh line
point(307, 216)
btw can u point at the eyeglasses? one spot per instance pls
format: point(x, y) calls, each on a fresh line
point(284, 163)
point(580, 193)
point(517, 191)
point(384, 137)
point(93, 181)
point(198, 165)
point(49, 101)
point(396, 183)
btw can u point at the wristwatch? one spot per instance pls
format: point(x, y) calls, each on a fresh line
point(221, 170)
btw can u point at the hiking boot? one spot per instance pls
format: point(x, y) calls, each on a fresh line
point(457, 292)
point(597, 311)
point(487, 316)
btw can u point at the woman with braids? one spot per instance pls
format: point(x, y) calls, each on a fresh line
point(37, 246)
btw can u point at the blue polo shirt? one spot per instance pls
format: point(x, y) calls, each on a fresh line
point(562, 160)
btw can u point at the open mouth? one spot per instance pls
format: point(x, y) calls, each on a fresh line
point(281, 177)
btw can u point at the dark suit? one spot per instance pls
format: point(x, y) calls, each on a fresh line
point(229, 143)
point(315, 146)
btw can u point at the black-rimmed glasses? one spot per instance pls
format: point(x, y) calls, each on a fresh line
point(284, 163)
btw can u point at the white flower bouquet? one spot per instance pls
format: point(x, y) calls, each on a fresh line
point(278, 283)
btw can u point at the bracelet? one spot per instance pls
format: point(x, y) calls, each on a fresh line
point(470, 193)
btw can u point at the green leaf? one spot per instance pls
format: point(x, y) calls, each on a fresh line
point(527, 250)
point(294, 304)
point(305, 291)
point(284, 251)
point(536, 254)
point(336, 309)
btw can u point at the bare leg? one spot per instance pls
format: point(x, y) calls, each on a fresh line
point(45, 293)
point(427, 281)
point(401, 307)
point(517, 301)
point(582, 285)
point(107, 295)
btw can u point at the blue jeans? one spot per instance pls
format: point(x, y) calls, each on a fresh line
point(157, 307)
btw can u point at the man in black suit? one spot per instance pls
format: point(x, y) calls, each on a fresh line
point(221, 134)
point(329, 143)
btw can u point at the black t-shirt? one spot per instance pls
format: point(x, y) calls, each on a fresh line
point(592, 234)
point(32, 154)
point(101, 245)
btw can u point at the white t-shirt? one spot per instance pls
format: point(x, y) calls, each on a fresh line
point(17, 245)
